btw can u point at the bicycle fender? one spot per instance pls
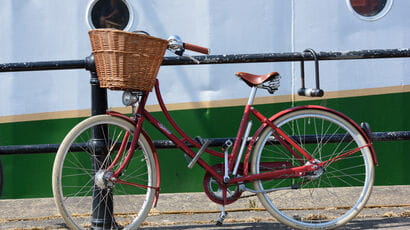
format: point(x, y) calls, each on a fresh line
point(317, 107)
point(157, 166)
point(154, 151)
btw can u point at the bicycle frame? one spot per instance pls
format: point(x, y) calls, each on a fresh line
point(142, 114)
point(300, 163)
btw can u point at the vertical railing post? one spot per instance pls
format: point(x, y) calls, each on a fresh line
point(1, 179)
point(99, 102)
point(102, 206)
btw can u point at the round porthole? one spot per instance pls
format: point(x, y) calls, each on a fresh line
point(369, 9)
point(115, 14)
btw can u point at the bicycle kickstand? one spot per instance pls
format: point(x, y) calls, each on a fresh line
point(222, 216)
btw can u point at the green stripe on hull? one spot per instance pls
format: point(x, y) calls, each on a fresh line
point(28, 176)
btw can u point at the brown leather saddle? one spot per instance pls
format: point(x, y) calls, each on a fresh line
point(269, 81)
point(255, 80)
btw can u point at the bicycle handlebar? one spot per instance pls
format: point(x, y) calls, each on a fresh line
point(196, 48)
point(178, 47)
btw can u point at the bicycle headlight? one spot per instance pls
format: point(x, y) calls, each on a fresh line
point(129, 98)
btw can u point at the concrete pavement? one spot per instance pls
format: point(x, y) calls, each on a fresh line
point(388, 208)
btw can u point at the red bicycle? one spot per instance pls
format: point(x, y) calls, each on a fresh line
point(310, 166)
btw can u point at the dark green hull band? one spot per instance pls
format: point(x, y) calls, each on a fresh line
point(29, 176)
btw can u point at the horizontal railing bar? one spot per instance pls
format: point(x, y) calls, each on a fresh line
point(391, 136)
point(288, 57)
point(43, 65)
point(87, 63)
point(28, 149)
point(214, 142)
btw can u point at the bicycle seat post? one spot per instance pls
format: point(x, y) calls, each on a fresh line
point(252, 95)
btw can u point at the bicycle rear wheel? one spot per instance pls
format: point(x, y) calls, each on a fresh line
point(333, 194)
point(84, 196)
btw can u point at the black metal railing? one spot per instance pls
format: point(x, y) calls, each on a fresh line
point(99, 95)
point(88, 62)
point(213, 142)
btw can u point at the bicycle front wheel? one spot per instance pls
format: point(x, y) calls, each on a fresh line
point(85, 195)
point(328, 197)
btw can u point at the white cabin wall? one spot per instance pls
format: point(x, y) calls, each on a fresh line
point(331, 26)
point(189, 20)
point(248, 27)
point(43, 30)
point(226, 27)
point(57, 31)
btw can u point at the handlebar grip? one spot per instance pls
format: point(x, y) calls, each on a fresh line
point(196, 48)
point(311, 92)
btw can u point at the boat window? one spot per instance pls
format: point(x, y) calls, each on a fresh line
point(109, 14)
point(370, 9)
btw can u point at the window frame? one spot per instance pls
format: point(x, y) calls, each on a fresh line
point(382, 13)
point(91, 5)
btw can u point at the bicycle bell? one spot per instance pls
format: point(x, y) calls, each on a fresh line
point(175, 43)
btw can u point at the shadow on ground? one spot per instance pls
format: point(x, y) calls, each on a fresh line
point(385, 223)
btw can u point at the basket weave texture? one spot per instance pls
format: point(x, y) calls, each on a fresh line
point(126, 61)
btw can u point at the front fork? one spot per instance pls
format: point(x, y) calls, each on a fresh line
point(137, 133)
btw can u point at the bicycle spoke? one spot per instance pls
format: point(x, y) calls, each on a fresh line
point(342, 181)
point(84, 189)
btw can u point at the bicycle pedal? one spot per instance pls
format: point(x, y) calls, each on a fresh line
point(225, 147)
point(198, 154)
point(199, 140)
point(219, 223)
point(221, 218)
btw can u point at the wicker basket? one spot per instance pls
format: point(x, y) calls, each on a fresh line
point(126, 61)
